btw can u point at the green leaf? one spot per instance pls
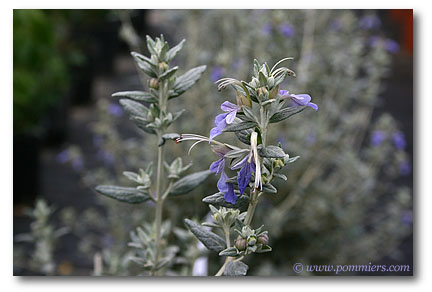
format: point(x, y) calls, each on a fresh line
point(271, 152)
point(168, 73)
point(244, 136)
point(174, 50)
point(189, 182)
point(144, 65)
point(269, 188)
point(134, 108)
point(219, 200)
point(234, 127)
point(137, 95)
point(142, 124)
point(210, 240)
point(236, 268)
point(123, 194)
point(186, 81)
point(281, 176)
point(229, 252)
point(286, 113)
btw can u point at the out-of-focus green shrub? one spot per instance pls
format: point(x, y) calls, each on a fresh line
point(40, 74)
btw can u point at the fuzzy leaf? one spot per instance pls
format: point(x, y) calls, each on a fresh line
point(234, 127)
point(189, 182)
point(244, 136)
point(285, 113)
point(187, 80)
point(229, 252)
point(211, 240)
point(219, 200)
point(236, 268)
point(174, 50)
point(269, 188)
point(144, 64)
point(271, 152)
point(137, 95)
point(168, 73)
point(134, 108)
point(123, 194)
point(142, 124)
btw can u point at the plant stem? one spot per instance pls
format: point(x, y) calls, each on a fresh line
point(159, 204)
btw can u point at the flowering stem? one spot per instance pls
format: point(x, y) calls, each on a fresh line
point(159, 197)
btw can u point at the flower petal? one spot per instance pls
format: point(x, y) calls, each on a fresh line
point(284, 93)
point(244, 176)
point(222, 184)
point(240, 163)
point(217, 166)
point(219, 119)
point(313, 105)
point(229, 107)
point(230, 117)
point(230, 196)
point(214, 132)
point(301, 99)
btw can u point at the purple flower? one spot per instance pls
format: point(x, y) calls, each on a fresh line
point(218, 167)
point(286, 29)
point(310, 139)
point(245, 172)
point(63, 156)
point(106, 157)
point(97, 140)
point(222, 120)
point(405, 168)
point(299, 99)
point(392, 46)
point(266, 29)
point(399, 140)
point(216, 73)
point(369, 22)
point(226, 188)
point(406, 218)
point(377, 137)
point(115, 109)
point(336, 25)
point(77, 164)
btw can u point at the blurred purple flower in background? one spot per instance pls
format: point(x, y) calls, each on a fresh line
point(77, 164)
point(336, 25)
point(399, 140)
point(370, 22)
point(115, 110)
point(97, 140)
point(63, 156)
point(405, 168)
point(216, 73)
point(266, 29)
point(392, 46)
point(310, 139)
point(407, 218)
point(105, 156)
point(222, 120)
point(286, 29)
point(377, 137)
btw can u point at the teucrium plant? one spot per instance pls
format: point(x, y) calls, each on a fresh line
point(259, 104)
point(149, 111)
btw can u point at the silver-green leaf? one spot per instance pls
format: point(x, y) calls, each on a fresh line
point(236, 268)
point(189, 182)
point(123, 194)
point(210, 240)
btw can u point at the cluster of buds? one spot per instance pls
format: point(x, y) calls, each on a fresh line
point(224, 217)
point(250, 241)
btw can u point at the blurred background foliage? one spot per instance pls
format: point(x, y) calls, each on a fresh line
point(348, 199)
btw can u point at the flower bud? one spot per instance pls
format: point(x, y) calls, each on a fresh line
point(154, 83)
point(252, 240)
point(243, 100)
point(240, 243)
point(274, 92)
point(263, 239)
point(163, 66)
point(262, 91)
